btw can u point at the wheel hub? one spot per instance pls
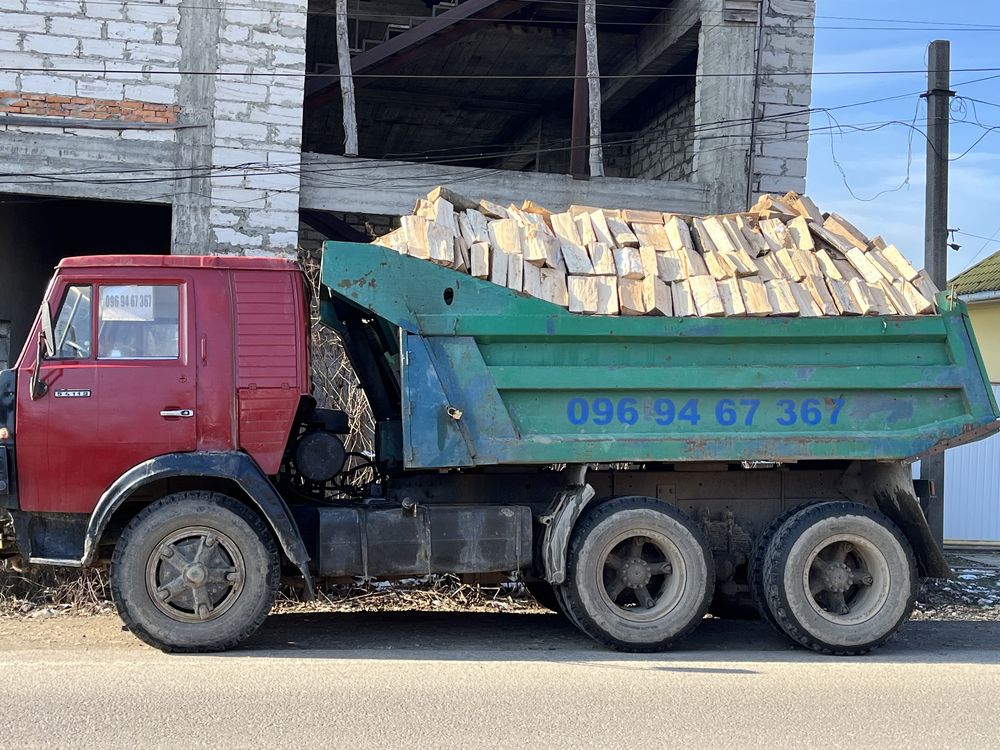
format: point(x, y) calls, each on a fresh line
point(195, 574)
point(636, 573)
point(837, 577)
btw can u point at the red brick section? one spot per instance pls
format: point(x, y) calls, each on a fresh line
point(51, 105)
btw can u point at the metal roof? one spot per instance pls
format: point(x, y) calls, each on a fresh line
point(982, 277)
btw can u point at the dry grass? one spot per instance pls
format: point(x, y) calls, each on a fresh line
point(43, 589)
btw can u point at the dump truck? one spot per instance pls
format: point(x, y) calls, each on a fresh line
point(634, 473)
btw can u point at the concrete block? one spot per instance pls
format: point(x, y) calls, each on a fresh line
point(268, 181)
point(230, 236)
point(234, 34)
point(232, 157)
point(157, 136)
point(22, 22)
point(246, 131)
point(76, 26)
point(254, 54)
point(241, 92)
point(278, 41)
point(145, 52)
point(45, 84)
point(9, 41)
point(285, 135)
point(167, 15)
point(247, 15)
point(288, 240)
point(273, 220)
point(231, 110)
point(787, 149)
point(218, 217)
point(52, 7)
point(44, 44)
point(132, 32)
point(285, 59)
point(278, 116)
point(92, 48)
point(100, 88)
point(283, 201)
point(151, 93)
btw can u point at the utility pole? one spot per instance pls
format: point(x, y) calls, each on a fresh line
point(938, 97)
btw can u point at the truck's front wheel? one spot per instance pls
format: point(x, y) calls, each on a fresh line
point(195, 571)
point(839, 578)
point(640, 575)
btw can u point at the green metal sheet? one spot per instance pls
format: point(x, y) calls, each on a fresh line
point(535, 383)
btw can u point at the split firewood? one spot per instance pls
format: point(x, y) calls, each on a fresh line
point(395, 240)
point(899, 262)
point(603, 259)
point(695, 263)
point(683, 302)
point(859, 289)
point(634, 216)
point(462, 262)
point(706, 296)
point(662, 300)
point(720, 237)
point(732, 300)
point(533, 208)
point(632, 295)
point(925, 286)
point(804, 300)
point(915, 300)
point(628, 263)
point(553, 287)
point(804, 206)
point(624, 237)
point(779, 296)
point(473, 227)
point(826, 265)
point(460, 202)
point(753, 236)
point(702, 240)
point(515, 271)
point(768, 267)
point(786, 260)
point(859, 259)
point(805, 263)
point(671, 266)
point(585, 229)
point(882, 265)
point(498, 267)
point(541, 248)
point(839, 225)
point(719, 266)
point(576, 259)
point(798, 230)
point(415, 232)
point(493, 210)
point(755, 297)
point(816, 286)
point(601, 229)
point(877, 243)
point(776, 234)
point(583, 294)
point(678, 233)
point(565, 229)
point(531, 280)
point(651, 235)
point(834, 240)
point(607, 295)
point(736, 236)
point(843, 297)
point(479, 255)
point(505, 235)
point(881, 301)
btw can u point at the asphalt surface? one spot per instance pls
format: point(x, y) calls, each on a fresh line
point(427, 680)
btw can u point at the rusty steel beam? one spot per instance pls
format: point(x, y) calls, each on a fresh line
point(440, 29)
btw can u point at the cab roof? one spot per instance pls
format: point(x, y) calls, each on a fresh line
point(179, 261)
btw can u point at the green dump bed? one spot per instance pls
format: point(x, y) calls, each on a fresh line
point(488, 376)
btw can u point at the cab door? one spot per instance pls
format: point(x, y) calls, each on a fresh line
point(120, 390)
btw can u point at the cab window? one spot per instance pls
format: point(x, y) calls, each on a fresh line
point(72, 331)
point(139, 321)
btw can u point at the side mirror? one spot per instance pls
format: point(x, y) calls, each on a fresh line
point(49, 338)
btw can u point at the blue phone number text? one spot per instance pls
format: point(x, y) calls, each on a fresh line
point(726, 412)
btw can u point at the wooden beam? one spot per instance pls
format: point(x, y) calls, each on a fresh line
point(594, 90)
point(577, 154)
point(440, 28)
point(346, 82)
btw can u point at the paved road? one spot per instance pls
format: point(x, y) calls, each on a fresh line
point(424, 680)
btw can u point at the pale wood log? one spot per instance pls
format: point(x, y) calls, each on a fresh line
point(826, 265)
point(732, 227)
point(531, 280)
point(816, 286)
point(498, 266)
point(633, 216)
point(585, 229)
point(678, 233)
point(805, 207)
point(732, 299)
point(662, 303)
point(695, 263)
point(768, 267)
point(859, 288)
point(493, 210)
point(583, 294)
point(515, 271)
point(877, 243)
point(925, 286)
point(776, 234)
point(683, 302)
point(786, 261)
point(395, 240)
point(718, 234)
point(600, 226)
point(647, 257)
point(839, 225)
point(914, 299)
point(607, 295)
point(798, 230)
point(473, 227)
point(843, 297)
point(847, 269)
point(576, 210)
point(895, 297)
point(628, 263)
point(553, 287)
point(770, 206)
point(883, 266)
point(632, 296)
point(596, 150)
point(900, 263)
point(533, 208)
point(806, 263)
point(671, 265)
point(859, 259)
point(505, 235)
point(539, 248)
point(350, 116)
point(603, 259)
point(883, 306)
point(479, 255)
point(423, 208)
point(706, 296)
point(779, 296)
point(460, 202)
point(702, 239)
point(743, 262)
point(755, 299)
point(719, 266)
point(832, 239)
point(758, 245)
point(415, 231)
point(565, 228)
point(576, 259)
point(624, 236)
point(651, 235)
point(462, 260)
point(804, 299)
point(443, 213)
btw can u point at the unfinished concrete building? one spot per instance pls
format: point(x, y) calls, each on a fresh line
point(211, 126)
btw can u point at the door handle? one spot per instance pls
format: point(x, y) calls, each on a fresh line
point(177, 413)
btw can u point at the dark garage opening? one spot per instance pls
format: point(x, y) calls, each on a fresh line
point(36, 233)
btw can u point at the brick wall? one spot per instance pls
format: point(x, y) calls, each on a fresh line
point(663, 147)
point(87, 108)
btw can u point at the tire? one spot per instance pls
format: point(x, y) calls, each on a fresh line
point(640, 575)
point(755, 567)
point(840, 578)
point(544, 594)
point(195, 572)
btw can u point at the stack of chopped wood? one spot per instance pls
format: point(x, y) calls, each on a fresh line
point(783, 258)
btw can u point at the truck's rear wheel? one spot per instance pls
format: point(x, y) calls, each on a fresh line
point(839, 578)
point(195, 571)
point(640, 575)
point(755, 567)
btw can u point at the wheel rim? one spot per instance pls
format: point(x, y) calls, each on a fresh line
point(846, 579)
point(195, 574)
point(641, 575)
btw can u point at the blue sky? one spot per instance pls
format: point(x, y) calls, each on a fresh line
point(877, 161)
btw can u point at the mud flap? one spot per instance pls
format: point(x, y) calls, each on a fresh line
point(559, 523)
point(890, 486)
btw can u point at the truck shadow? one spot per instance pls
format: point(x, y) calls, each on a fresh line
point(487, 636)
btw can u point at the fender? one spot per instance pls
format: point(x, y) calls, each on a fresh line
point(560, 520)
point(235, 466)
